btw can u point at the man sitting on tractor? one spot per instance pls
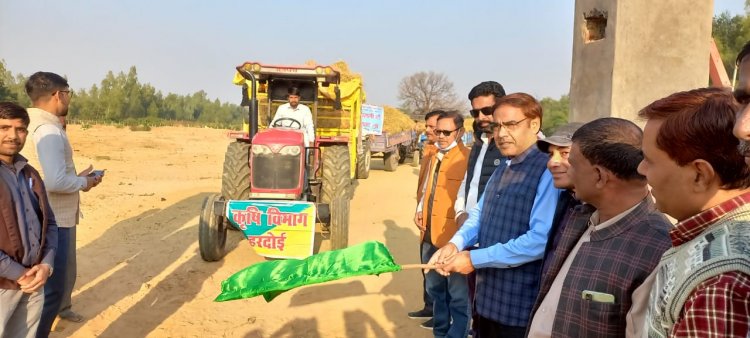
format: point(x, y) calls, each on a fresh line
point(295, 115)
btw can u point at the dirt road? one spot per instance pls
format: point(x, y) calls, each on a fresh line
point(140, 274)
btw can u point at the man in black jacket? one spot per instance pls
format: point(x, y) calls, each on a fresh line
point(484, 156)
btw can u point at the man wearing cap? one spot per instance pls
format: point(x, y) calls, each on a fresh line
point(558, 148)
point(599, 277)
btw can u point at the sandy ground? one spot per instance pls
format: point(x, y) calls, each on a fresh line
point(140, 273)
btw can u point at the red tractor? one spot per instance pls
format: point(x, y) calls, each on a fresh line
point(271, 172)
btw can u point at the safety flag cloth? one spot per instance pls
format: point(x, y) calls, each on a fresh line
point(272, 278)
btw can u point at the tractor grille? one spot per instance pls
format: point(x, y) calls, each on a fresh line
point(276, 171)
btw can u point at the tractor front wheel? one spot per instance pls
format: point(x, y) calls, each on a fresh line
point(212, 231)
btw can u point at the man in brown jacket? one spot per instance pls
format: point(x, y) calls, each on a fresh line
point(430, 121)
point(436, 221)
point(28, 231)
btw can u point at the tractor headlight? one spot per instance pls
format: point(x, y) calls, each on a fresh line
point(290, 150)
point(256, 67)
point(319, 70)
point(260, 149)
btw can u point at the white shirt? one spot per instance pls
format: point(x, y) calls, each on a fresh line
point(463, 202)
point(301, 114)
point(48, 149)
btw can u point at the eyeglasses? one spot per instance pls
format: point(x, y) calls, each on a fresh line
point(510, 125)
point(445, 133)
point(487, 111)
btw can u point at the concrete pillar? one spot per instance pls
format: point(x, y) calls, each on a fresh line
point(628, 53)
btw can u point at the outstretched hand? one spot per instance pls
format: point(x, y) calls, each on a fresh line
point(439, 258)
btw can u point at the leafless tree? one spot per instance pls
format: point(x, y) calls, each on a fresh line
point(423, 92)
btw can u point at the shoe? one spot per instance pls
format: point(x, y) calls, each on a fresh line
point(421, 314)
point(429, 324)
point(71, 316)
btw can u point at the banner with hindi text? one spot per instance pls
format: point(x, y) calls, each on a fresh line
point(276, 229)
point(372, 119)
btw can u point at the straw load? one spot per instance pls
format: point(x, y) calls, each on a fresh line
point(394, 120)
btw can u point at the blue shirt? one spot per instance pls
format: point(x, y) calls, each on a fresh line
point(523, 249)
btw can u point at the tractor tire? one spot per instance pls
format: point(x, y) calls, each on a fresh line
point(235, 178)
point(212, 232)
point(390, 161)
point(339, 227)
point(363, 163)
point(335, 180)
point(415, 158)
point(401, 154)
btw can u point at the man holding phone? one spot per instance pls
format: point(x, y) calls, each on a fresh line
point(605, 259)
point(50, 150)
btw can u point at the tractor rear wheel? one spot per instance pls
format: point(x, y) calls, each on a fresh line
point(235, 179)
point(415, 158)
point(212, 231)
point(336, 170)
point(363, 163)
point(401, 154)
point(390, 161)
point(339, 227)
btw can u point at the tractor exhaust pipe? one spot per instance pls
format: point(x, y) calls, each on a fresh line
point(251, 102)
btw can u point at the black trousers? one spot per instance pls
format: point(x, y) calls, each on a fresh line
point(490, 328)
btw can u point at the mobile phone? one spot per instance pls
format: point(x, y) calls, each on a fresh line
point(97, 173)
point(599, 297)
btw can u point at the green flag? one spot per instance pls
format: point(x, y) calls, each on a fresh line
point(274, 277)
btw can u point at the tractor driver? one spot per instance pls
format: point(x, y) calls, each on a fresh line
point(295, 115)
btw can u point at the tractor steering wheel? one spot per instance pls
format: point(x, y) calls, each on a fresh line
point(292, 123)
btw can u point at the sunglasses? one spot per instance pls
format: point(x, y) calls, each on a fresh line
point(742, 96)
point(445, 133)
point(487, 111)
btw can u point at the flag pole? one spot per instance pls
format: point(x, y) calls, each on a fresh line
point(417, 266)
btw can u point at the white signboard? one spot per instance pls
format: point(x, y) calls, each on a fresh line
point(372, 120)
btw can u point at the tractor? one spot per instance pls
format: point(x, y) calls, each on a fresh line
point(270, 165)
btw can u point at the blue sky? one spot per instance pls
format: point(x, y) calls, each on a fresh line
point(186, 46)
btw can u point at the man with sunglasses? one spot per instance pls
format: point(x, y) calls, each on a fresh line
point(437, 225)
point(484, 156)
point(50, 150)
point(430, 121)
point(510, 223)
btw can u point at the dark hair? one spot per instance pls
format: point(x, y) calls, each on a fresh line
point(293, 91)
point(12, 111)
point(743, 52)
point(42, 84)
point(487, 88)
point(432, 113)
point(458, 120)
point(612, 143)
point(697, 124)
point(527, 103)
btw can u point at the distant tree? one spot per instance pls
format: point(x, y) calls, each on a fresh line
point(554, 113)
point(5, 93)
point(730, 33)
point(423, 92)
